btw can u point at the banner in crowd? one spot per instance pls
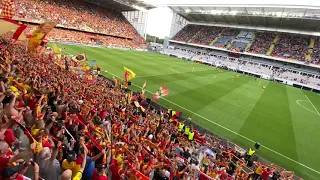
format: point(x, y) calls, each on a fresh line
point(92, 62)
point(163, 91)
point(82, 57)
point(143, 89)
point(128, 74)
point(8, 25)
point(38, 35)
point(7, 10)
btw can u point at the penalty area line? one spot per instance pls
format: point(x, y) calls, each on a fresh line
point(230, 130)
point(312, 104)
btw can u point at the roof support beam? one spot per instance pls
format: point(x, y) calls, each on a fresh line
point(281, 19)
point(264, 18)
point(247, 14)
point(305, 12)
point(222, 16)
point(234, 17)
point(318, 28)
point(212, 17)
point(300, 22)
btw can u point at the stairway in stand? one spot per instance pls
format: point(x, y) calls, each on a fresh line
point(273, 44)
point(310, 49)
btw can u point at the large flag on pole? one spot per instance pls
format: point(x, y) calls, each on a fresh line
point(8, 25)
point(143, 89)
point(39, 34)
point(7, 10)
point(128, 74)
point(163, 91)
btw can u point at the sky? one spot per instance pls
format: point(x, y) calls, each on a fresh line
point(159, 22)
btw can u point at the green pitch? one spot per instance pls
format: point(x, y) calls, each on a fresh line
point(285, 120)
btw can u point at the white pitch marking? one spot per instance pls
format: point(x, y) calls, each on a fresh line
point(305, 107)
point(171, 68)
point(231, 131)
point(312, 104)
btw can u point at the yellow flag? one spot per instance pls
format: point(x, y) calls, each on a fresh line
point(128, 74)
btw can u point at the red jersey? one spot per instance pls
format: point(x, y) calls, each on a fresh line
point(3, 164)
point(265, 174)
point(115, 170)
point(95, 176)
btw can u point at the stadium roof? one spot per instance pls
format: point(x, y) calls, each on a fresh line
point(290, 17)
point(124, 5)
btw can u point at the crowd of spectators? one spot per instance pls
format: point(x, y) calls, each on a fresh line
point(292, 46)
point(77, 14)
point(79, 129)
point(288, 46)
point(262, 42)
point(206, 35)
point(315, 57)
point(187, 32)
point(258, 67)
point(297, 77)
point(71, 36)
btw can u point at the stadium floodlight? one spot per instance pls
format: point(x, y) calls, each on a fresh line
point(187, 10)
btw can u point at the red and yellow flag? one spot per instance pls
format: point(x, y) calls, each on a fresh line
point(128, 74)
point(163, 91)
point(38, 35)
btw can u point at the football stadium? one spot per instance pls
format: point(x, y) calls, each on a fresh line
point(232, 93)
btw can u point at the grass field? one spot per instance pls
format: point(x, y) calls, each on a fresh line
point(285, 120)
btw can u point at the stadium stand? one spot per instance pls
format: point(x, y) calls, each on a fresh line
point(241, 41)
point(315, 57)
point(262, 42)
point(80, 16)
point(292, 47)
point(265, 67)
point(279, 45)
point(187, 33)
point(206, 35)
point(225, 38)
point(65, 121)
